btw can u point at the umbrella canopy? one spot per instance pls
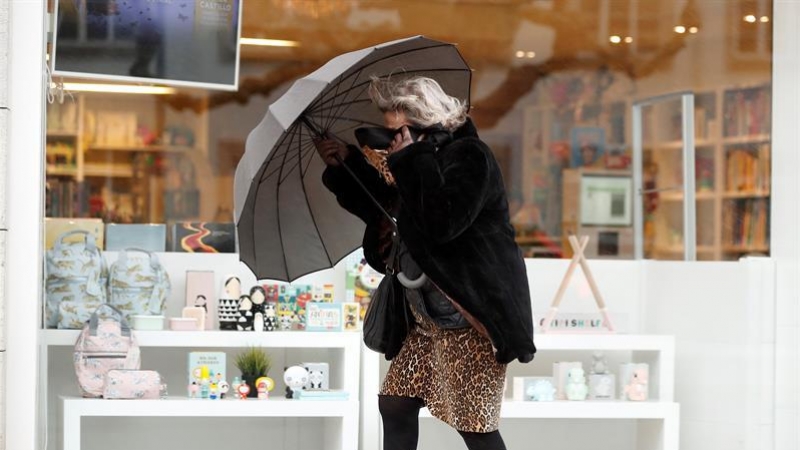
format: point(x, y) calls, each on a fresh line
point(288, 224)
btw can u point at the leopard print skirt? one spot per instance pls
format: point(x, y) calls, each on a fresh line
point(453, 371)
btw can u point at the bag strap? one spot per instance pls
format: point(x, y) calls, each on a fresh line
point(123, 256)
point(125, 330)
point(88, 243)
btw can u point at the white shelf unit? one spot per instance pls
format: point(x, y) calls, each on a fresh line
point(341, 418)
point(659, 418)
point(341, 426)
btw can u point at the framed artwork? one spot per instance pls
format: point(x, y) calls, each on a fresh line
point(587, 145)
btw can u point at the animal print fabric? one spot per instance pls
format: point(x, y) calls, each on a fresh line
point(453, 371)
point(377, 159)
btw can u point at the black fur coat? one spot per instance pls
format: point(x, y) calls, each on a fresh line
point(453, 217)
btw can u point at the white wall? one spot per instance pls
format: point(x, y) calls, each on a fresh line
point(3, 229)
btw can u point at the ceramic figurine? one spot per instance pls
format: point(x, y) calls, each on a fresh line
point(636, 389)
point(243, 390)
point(194, 389)
point(224, 387)
point(235, 386)
point(295, 378)
point(576, 385)
point(541, 391)
point(599, 364)
point(232, 288)
point(213, 391)
point(245, 320)
point(264, 385)
point(204, 388)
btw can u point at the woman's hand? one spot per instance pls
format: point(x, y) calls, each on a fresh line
point(401, 140)
point(329, 148)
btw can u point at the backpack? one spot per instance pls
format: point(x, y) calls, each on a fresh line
point(138, 284)
point(76, 277)
point(105, 343)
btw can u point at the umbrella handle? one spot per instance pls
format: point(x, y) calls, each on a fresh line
point(310, 125)
point(409, 283)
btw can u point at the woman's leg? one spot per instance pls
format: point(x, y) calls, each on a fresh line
point(483, 441)
point(400, 421)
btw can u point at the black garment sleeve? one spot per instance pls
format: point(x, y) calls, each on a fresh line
point(350, 195)
point(443, 191)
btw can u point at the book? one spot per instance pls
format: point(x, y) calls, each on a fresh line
point(209, 365)
point(151, 237)
point(203, 237)
point(322, 316)
point(322, 395)
point(56, 227)
point(200, 292)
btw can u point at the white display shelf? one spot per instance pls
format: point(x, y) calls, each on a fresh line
point(186, 407)
point(343, 436)
point(584, 410)
point(222, 339)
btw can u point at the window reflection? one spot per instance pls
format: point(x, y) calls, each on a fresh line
point(553, 89)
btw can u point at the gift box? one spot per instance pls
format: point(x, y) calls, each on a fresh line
point(150, 237)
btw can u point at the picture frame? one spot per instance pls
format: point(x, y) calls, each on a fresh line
point(587, 146)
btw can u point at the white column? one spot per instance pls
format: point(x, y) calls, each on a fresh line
point(785, 208)
point(24, 209)
point(3, 225)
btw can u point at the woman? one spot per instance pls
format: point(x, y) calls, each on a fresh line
point(473, 316)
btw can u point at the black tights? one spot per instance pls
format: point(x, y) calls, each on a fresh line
point(401, 426)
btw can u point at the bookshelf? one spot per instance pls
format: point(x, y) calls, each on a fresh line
point(119, 157)
point(732, 175)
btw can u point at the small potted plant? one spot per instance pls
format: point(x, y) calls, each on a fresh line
point(253, 363)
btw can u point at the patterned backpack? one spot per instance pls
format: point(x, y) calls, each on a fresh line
point(76, 277)
point(138, 284)
point(106, 343)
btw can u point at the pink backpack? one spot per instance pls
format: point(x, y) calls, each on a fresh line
point(106, 343)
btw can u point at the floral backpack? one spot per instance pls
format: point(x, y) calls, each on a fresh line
point(76, 277)
point(138, 284)
point(105, 343)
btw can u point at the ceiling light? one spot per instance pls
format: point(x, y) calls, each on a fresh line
point(118, 88)
point(680, 29)
point(520, 54)
point(750, 18)
point(530, 54)
point(628, 39)
point(268, 42)
point(615, 39)
point(693, 30)
point(764, 19)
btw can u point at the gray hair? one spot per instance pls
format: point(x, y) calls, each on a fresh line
point(422, 99)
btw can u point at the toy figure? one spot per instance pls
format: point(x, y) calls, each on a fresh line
point(232, 288)
point(235, 386)
point(295, 378)
point(245, 320)
point(541, 391)
point(204, 388)
point(576, 385)
point(264, 385)
point(636, 389)
point(599, 365)
point(243, 390)
point(224, 387)
point(212, 391)
point(194, 388)
point(258, 296)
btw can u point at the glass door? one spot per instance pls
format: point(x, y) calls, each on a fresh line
point(665, 224)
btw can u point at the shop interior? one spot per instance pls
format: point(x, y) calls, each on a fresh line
point(554, 87)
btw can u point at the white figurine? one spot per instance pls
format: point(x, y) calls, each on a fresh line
point(599, 365)
point(295, 378)
point(541, 391)
point(576, 385)
point(636, 389)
